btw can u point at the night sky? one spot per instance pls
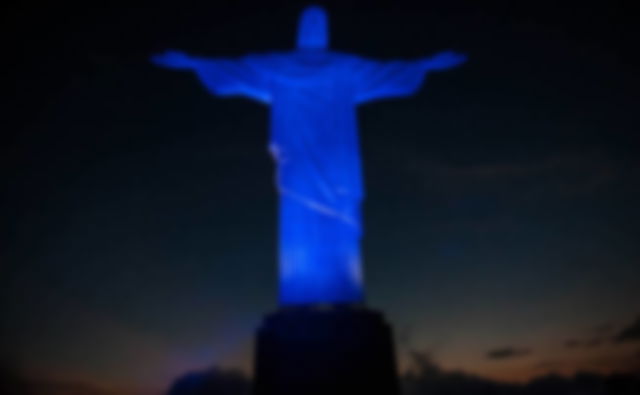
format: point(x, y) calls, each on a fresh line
point(139, 212)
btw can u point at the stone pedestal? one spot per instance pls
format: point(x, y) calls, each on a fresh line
point(325, 350)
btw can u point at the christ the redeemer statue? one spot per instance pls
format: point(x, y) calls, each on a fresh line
point(313, 93)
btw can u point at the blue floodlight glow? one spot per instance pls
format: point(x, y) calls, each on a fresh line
point(313, 94)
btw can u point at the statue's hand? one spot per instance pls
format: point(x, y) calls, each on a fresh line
point(173, 60)
point(445, 60)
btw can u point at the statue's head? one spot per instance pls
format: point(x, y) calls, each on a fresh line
point(313, 30)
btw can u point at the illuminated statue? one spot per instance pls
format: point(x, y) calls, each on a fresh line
point(313, 93)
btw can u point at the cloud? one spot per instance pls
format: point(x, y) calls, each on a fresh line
point(603, 329)
point(426, 377)
point(565, 174)
point(507, 352)
point(588, 343)
point(67, 388)
point(548, 365)
point(211, 381)
point(600, 335)
point(630, 333)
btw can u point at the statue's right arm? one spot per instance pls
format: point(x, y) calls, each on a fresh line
point(443, 61)
point(173, 60)
point(222, 76)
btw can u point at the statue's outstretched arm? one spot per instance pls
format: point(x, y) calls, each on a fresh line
point(444, 60)
point(174, 60)
point(397, 78)
point(222, 76)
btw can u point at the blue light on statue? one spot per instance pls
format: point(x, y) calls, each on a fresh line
point(313, 94)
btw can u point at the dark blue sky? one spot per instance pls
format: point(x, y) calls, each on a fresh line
point(139, 213)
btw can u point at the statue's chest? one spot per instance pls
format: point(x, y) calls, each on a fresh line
point(310, 75)
point(312, 89)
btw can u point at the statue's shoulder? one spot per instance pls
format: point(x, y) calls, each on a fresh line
point(269, 60)
point(301, 64)
point(297, 56)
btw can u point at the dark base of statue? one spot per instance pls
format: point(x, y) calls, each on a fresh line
point(325, 350)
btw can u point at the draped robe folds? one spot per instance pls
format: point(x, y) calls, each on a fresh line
point(314, 142)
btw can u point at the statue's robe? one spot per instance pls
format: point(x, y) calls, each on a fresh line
point(314, 141)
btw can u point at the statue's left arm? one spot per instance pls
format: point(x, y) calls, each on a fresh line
point(222, 76)
point(398, 78)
